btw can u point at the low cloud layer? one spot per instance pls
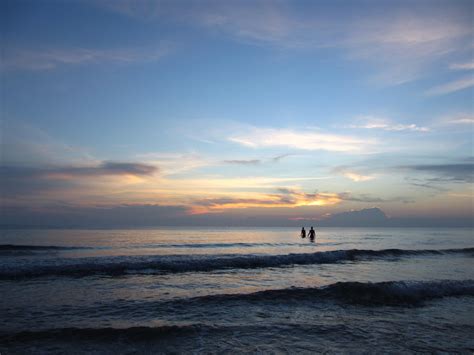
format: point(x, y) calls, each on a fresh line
point(136, 216)
point(24, 181)
point(284, 198)
point(102, 169)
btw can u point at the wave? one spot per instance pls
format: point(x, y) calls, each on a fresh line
point(120, 265)
point(367, 294)
point(225, 245)
point(12, 250)
point(387, 293)
point(14, 247)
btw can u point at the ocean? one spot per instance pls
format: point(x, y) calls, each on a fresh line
point(220, 290)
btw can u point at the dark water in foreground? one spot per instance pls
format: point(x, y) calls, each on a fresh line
point(236, 290)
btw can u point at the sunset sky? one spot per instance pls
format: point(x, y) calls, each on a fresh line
point(270, 110)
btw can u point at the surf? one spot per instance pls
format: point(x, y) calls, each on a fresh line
point(123, 265)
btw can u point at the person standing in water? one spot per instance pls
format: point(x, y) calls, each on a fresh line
point(312, 233)
point(303, 233)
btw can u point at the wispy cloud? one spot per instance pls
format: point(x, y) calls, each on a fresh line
point(51, 58)
point(427, 184)
point(371, 122)
point(462, 66)
point(281, 157)
point(144, 10)
point(105, 168)
point(401, 45)
point(453, 86)
point(465, 120)
point(456, 172)
point(243, 162)
point(175, 163)
point(459, 119)
point(250, 162)
point(305, 140)
point(353, 175)
point(347, 196)
point(24, 144)
point(285, 198)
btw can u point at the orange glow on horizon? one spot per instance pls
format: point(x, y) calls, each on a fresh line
point(297, 199)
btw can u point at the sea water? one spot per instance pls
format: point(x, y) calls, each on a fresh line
point(236, 290)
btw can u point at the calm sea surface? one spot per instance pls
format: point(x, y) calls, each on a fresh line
point(236, 290)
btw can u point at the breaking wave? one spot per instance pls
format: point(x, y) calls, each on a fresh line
point(119, 265)
point(387, 293)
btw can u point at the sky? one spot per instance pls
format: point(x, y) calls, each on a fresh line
point(250, 112)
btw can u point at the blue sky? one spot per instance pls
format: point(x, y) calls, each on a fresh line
point(297, 109)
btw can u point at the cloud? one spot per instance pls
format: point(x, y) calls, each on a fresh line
point(305, 140)
point(366, 198)
point(462, 172)
point(32, 182)
point(427, 184)
point(243, 162)
point(144, 10)
point(26, 145)
point(104, 168)
point(175, 163)
point(370, 122)
point(352, 175)
point(402, 44)
point(405, 46)
point(284, 198)
point(466, 120)
point(51, 58)
point(278, 158)
point(275, 159)
point(65, 215)
point(460, 119)
point(148, 215)
point(453, 86)
point(462, 66)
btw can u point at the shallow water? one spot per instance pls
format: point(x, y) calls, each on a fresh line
point(236, 290)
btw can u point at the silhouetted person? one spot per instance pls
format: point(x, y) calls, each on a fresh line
point(303, 233)
point(312, 233)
